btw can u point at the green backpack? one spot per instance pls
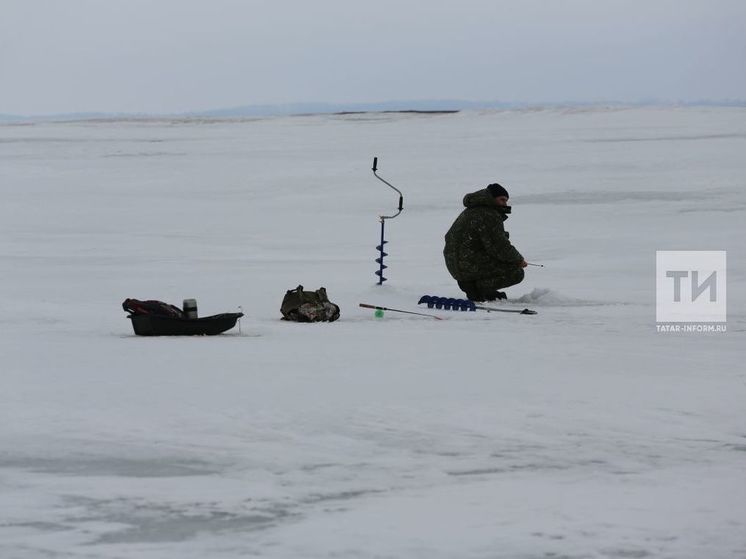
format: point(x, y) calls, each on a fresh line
point(308, 306)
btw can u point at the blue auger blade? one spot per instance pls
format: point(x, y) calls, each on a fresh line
point(447, 303)
point(451, 304)
point(465, 305)
point(384, 254)
point(379, 261)
point(429, 300)
point(426, 299)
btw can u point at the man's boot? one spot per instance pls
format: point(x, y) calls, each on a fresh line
point(471, 290)
point(495, 295)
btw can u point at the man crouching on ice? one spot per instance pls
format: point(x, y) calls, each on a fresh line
point(478, 252)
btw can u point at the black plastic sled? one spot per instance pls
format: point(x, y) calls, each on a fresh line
point(154, 318)
point(151, 325)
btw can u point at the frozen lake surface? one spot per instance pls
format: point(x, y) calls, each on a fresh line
point(578, 433)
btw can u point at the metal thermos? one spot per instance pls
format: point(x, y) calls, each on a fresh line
point(190, 308)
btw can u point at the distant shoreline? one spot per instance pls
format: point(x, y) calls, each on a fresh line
point(255, 112)
point(402, 111)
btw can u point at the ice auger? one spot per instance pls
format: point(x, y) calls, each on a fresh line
point(383, 218)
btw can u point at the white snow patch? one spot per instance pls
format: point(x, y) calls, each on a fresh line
point(578, 432)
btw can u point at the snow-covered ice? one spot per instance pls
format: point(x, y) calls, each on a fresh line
point(580, 432)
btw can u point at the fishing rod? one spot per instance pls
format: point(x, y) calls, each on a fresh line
point(366, 306)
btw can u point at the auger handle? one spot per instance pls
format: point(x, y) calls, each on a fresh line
point(399, 192)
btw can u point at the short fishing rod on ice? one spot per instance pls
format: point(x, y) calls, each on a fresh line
point(367, 306)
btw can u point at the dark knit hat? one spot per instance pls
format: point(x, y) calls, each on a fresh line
point(496, 190)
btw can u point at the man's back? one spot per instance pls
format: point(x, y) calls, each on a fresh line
point(477, 252)
point(477, 244)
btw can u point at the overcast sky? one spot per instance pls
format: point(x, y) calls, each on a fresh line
point(180, 55)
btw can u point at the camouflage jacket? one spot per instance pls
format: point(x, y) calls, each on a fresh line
point(477, 245)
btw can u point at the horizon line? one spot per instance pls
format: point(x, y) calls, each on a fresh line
point(309, 108)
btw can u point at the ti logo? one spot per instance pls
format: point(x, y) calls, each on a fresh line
point(690, 286)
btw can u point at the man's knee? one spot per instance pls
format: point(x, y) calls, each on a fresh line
point(516, 276)
point(506, 278)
